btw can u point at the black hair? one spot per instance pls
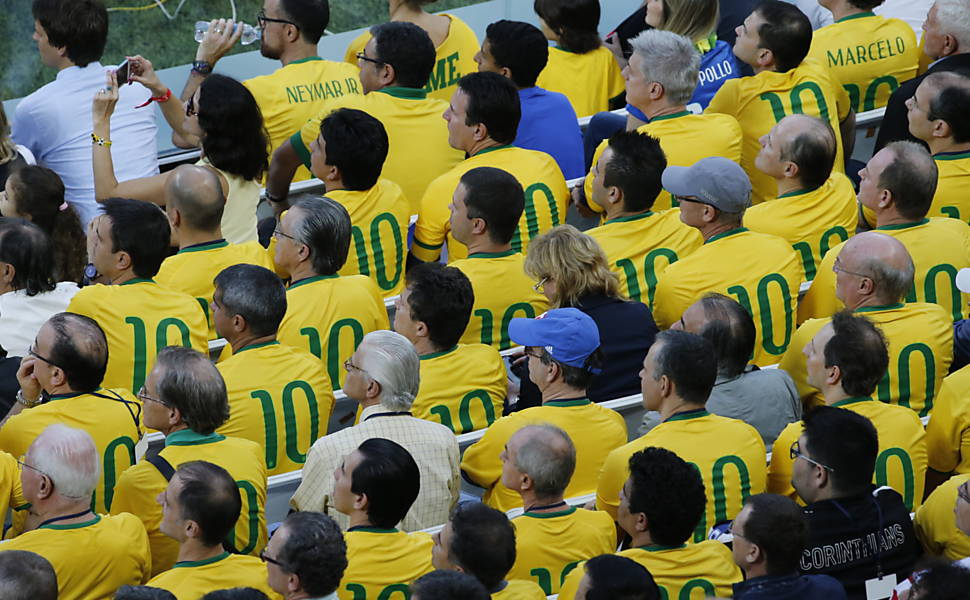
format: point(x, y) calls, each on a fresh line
point(777, 525)
point(239, 593)
point(860, 352)
point(689, 362)
point(314, 551)
point(614, 577)
point(847, 443)
point(142, 592)
point(574, 21)
point(233, 136)
point(38, 192)
point(865, 4)
point(357, 145)
point(911, 179)
point(26, 576)
point(669, 491)
point(310, 16)
point(141, 229)
point(79, 26)
point(943, 581)
point(519, 47)
point(482, 542)
point(950, 105)
point(576, 377)
point(210, 497)
point(442, 298)
point(256, 294)
point(27, 249)
point(636, 167)
point(448, 585)
point(192, 384)
point(389, 477)
point(813, 152)
point(787, 32)
point(80, 349)
point(325, 229)
point(730, 329)
point(497, 197)
point(493, 101)
point(408, 49)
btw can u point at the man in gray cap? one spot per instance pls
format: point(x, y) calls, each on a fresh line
point(761, 271)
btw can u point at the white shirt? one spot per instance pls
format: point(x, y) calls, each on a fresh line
point(21, 316)
point(817, 14)
point(54, 123)
point(912, 11)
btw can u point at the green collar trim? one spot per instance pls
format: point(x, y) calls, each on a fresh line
point(204, 246)
point(404, 92)
point(187, 437)
point(493, 149)
point(73, 525)
point(797, 193)
point(923, 221)
point(508, 252)
point(726, 234)
point(687, 415)
point(138, 280)
point(638, 217)
point(437, 354)
point(571, 402)
point(201, 563)
point(558, 47)
point(550, 515)
point(676, 115)
point(861, 15)
point(952, 155)
point(661, 548)
point(308, 280)
point(71, 395)
point(259, 345)
point(876, 308)
point(852, 400)
point(366, 529)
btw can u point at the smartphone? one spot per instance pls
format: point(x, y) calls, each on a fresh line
point(122, 73)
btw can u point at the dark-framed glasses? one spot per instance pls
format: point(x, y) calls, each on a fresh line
point(34, 353)
point(365, 58)
point(795, 452)
point(262, 20)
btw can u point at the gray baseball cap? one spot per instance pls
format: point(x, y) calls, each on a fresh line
point(714, 180)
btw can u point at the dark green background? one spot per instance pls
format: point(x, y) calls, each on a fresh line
point(149, 33)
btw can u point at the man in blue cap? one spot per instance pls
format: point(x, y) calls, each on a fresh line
point(761, 271)
point(562, 347)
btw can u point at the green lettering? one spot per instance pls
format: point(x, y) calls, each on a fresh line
point(873, 89)
point(906, 464)
point(270, 431)
point(835, 60)
point(530, 217)
point(453, 73)
point(698, 584)
point(437, 80)
point(111, 470)
point(526, 310)
point(295, 450)
point(932, 291)
point(333, 346)
point(291, 96)
point(250, 508)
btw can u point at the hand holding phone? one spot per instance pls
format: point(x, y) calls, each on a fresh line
point(122, 72)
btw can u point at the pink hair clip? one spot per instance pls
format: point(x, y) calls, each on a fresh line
point(63, 206)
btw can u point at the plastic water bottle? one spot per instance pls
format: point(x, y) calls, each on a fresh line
point(250, 34)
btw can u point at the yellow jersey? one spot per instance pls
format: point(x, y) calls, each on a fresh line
point(589, 80)
point(760, 271)
point(468, 404)
point(454, 58)
point(92, 559)
point(381, 562)
point(869, 55)
point(550, 545)
point(760, 101)
point(685, 139)
point(379, 232)
point(920, 338)
point(640, 247)
point(139, 318)
point(900, 464)
point(111, 417)
point(417, 136)
point(329, 315)
point(296, 92)
point(294, 402)
point(546, 201)
point(936, 525)
point(11, 491)
point(948, 432)
point(192, 270)
point(595, 432)
point(812, 221)
point(517, 589)
point(939, 249)
point(190, 580)
point(952, 198)
point(685, 572)
point(138, 488)
point(502, 292)
point(729, 454)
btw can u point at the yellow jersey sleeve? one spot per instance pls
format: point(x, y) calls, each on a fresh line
point(780, 467)
point(11, 490)
point(480, 462)
point(948, 432)
point(431, 230)
point(935, 522)
point(952, 198)
point(355, 46)
point(820, 300)
point(474, 403)
point(793, 361)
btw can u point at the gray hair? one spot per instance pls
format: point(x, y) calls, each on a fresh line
point(892, 284)
point(671, 60)
point(390, 359)
point(954, 18)
point(911, 178)
point(192, 384)
point(69, 457)
point(325, 228)
point(548, 456)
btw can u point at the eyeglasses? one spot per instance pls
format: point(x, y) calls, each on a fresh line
point(33, 353)
point(277, 233)
point(190, 107)
point(262, 20)
point(837, 268)
point(692, 199)
point(349, 366)
point(20, 461)
point(734, 532)
point(540, 285)
point(540, 355)
point(143, 395)
point(270, 559)
point(795, 452)
point(363, 57)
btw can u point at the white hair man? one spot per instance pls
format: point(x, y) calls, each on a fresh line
point(382, 376)
point(59, 472)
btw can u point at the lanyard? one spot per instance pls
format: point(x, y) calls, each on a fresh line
point(546, 506)
point(64, 518)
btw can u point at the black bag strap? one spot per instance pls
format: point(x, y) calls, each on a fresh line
point(164, 467)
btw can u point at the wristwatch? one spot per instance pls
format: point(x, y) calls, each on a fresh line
point(25, 402)
point(201, 67)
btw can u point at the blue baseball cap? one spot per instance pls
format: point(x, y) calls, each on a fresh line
point(568, 334)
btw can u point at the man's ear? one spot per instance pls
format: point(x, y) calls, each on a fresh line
point(7, 273)
point(765, 58)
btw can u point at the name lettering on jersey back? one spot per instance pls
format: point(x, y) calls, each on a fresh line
point(716, 72)
point(445, 74)
point(860, 54)
point(321, 90)
point(851, 550)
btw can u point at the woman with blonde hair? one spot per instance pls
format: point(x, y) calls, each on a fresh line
point(572, 271)
point(12, 156)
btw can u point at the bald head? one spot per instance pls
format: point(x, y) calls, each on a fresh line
point(547, 455)
point(196, 194)
point(882, 258)
point(810, 143)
